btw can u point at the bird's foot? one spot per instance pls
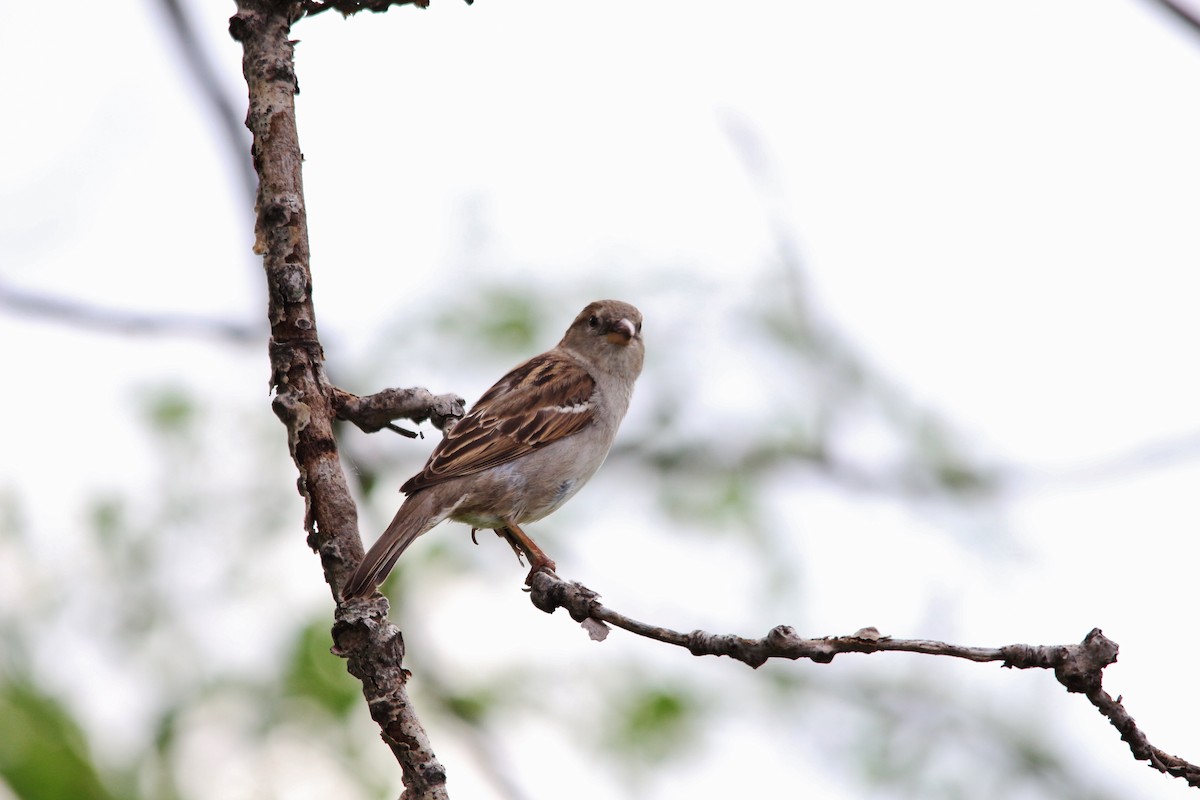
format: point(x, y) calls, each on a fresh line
point(523, 545)
point(544, 565)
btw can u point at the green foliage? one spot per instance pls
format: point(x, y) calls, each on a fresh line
point(705, 482)
point(470, 707)
point(108, 521)
point(314, 674)
point(714, 500)
point(652, 722)
point(43, 752)
point(12, 516)
point(168, 410)
point(910, 736)
point(504, 319)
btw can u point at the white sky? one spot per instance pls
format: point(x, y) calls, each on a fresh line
point(996, 202)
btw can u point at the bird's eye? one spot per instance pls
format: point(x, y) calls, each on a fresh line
point(639, 327)
point(593, 321)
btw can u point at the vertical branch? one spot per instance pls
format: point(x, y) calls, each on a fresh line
point(303, 396)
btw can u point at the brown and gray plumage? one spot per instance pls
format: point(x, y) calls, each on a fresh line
point(527, 446)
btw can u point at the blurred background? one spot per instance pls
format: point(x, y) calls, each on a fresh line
point(920, 286)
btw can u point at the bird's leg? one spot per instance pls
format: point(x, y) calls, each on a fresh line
point(504, 534)
point(521, 542)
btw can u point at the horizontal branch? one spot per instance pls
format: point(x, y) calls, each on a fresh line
point(1181, 13)
point(348, 7)
point(126, 322)
point(1078, 667)
point(376, 411)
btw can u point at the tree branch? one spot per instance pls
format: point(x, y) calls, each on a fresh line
point(200, 66)
point(1078, 667)
point(376, 411)
point(307, 404)
point(304, 399)
point(125, 322)
point(1181, 13)
point(348, 7)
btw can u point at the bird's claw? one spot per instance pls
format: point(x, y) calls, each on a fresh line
point(507, 536)
point(541, 566)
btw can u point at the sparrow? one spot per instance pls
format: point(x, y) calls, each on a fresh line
point(527, 445)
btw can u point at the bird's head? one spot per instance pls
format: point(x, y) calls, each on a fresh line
point(609, 334)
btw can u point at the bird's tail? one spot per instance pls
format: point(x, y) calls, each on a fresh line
point(416, 516)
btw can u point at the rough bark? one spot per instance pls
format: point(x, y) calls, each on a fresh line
point(304, 400)
point(1078, 667)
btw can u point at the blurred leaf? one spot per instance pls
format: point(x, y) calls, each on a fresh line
point(108, 520)
point(716, 500)
point(504, 319)
point(952, 469)
point(126, 548)
point(961, 478)
point(43, 752)
point(314, 673)
point(471, 708)
point(12, 518)
point(917, 737)
point(653, 723)
point(168, 410)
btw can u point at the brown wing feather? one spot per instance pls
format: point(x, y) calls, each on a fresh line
point(539, 402)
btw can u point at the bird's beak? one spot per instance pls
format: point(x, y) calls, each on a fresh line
point(622, 332)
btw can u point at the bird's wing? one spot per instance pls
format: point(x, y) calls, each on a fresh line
point(549, 397)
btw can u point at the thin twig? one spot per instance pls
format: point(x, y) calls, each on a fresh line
point(125, 322)
point(1078, 667)
point(201, 67)
point(1181, 13)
